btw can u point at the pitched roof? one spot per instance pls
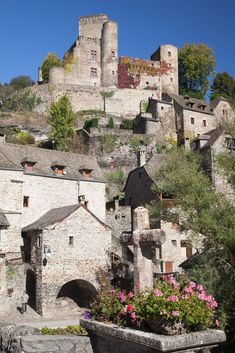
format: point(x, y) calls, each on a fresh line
point(3, 219)
point(213, 136)
point(185, 102)
point(12, 156)
point(57, 215)
point(217, 100)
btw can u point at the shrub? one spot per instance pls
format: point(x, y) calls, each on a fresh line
point(22, 101)
point(91, 123)
point(109, 143)
point(116, 176)
point(136, 141)
point(111, 124)
point(173, 301)
point(22, 138)
point(68, 330)
point(127, 124)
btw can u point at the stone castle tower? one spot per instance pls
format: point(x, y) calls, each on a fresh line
point(93, 58)
point(93, 61)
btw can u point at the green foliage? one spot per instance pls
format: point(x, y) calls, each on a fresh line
point(127, 124)
point(226, 167)
point(160, 147)
point(91, 123)
point(22, 138)
point(223, 85)
point(68, 330)
point(116, 176)
point(196, 66)
point(93, 112)
point(109, 143)
point(111, 124)
point(11, 272)
point(22, 101)
point(136, 141)
point(21, 82)
point(174, 302)
point(62, 119)
point(50, 61)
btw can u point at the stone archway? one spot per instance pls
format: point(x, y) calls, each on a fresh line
point(31, 288)
point(80, 291)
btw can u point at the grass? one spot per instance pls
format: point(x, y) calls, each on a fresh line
point(68, 330)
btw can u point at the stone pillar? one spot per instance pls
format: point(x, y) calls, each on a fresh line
point(144, 239)
point(141, 157)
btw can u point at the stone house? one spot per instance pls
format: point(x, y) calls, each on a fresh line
point(138, 192)
point(35, 181)
point(93, 61)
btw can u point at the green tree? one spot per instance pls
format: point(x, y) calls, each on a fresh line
point(62, 119)
point(223, 85)
point(111, 124)
point(105, 95)
point(199, 209)
point(21, 82)
point(196, 66)
point(50, 61)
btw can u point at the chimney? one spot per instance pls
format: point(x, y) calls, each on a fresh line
point(142, 157)
point(2, 138)
point(116, 203)
point(81, 200)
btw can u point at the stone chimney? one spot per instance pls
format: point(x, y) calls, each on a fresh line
point(142, 156)
point(81, 200)
point(116, 203)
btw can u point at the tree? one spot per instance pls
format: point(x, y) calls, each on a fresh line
point(196, 66)
point(105, 95)
point(200, 210)
point(50, 61)
point(21, 82)
point(223, 85)
point(62, 119)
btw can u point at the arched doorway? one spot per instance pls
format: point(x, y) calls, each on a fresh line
point(31, 288)
point(80, 291)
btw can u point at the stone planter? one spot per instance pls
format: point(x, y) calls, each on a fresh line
point(109, 338)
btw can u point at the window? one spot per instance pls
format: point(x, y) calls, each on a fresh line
point(26, 201)
point(168, 266)
point(169, 54)
point(187, 245)
point(93, 55)
point(174, 242)
point(28, 165)
point(113, 53)
point(204, 123)
point(192, 121)
point(225, 113)
point(70, 241)
point(93, 72)
point(38, 242)
point(162, 108)
point(113, 72)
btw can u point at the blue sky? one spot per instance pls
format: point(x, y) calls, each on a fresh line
point(29, 29)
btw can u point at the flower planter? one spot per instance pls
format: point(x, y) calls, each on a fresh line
point(109, 338)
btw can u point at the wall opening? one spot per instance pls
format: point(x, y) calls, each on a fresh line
point(31, 288)
point(80, 291)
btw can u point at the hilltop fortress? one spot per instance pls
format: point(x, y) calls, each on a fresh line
point(92, 64)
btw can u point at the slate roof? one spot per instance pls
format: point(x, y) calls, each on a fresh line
point(57, 215)
point(12, 156)
point(185, 103)
point(213, 136)
point(3, 219)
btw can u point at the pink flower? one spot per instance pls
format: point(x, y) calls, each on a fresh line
point(130, 295)
point(121, 296)
point(192, 285)
point(157, 293)
point(175, 313)
point(173, 298)
point(200, 288)
point(133, 315)
point(170, 279)
point(188, 290)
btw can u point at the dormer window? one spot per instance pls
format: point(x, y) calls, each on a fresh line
point(190, 104)
point(202, 107)
point(86, 172)
point(59, 168)
point(28, 164)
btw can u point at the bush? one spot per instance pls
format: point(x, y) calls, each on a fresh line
point(127, 124)
point(116, 176)
point(136, 141)
point(109, 143)
point(68, 330)
point(182, 302)
point(91, 123)
point(23, 101)
point(22, 138)
point(111, 124)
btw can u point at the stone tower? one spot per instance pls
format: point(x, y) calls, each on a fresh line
point(109, 54)
point(168, 54)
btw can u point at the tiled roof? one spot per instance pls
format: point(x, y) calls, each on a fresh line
point(57, 215)
point(12, 156)
point(213, 136)
point(192, 103)
point(154, 164)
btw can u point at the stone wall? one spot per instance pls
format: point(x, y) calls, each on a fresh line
point(125, 102)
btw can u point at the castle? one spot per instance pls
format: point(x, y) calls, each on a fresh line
point(93, 61)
